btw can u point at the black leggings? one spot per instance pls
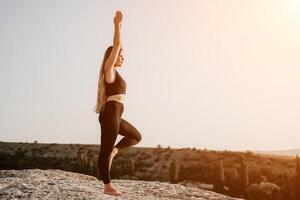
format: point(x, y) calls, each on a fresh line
point(111, 125)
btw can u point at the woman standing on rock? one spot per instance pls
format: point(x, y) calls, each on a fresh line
point(111, 94)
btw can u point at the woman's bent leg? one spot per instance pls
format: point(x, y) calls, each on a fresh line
point(132, 135)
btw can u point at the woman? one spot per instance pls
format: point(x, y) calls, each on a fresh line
point(111, 94)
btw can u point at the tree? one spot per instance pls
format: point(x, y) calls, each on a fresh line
point(262, 191)
point(286, 189)
point(244, 176)
point(233, 182)
point(220, 178)
point(131, 166)
point(173, 172)
point(296, 192)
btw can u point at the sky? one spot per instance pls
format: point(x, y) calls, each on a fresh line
point(200, 73)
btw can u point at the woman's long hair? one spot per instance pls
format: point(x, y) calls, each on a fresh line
point(101, 95)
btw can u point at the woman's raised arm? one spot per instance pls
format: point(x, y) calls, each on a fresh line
point(109, 64)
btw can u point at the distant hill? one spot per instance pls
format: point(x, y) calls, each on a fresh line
point(197, 168)
point(289, 152)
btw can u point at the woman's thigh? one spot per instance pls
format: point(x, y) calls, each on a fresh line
point(109, 131)
point(128, 130)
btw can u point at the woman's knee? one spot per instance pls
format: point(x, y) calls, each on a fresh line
point(138, 136)
point(105, 151)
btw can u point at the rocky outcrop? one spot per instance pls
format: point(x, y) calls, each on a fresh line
point(58, 184)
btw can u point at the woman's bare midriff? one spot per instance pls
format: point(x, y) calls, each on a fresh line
point(117, 97)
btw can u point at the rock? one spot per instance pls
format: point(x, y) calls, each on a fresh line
point(58, 184)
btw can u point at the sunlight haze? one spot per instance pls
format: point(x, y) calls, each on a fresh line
point(205, 74)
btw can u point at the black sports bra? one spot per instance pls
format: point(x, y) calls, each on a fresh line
point(116, 87)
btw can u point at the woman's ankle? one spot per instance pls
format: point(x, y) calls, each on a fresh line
point(107, 184)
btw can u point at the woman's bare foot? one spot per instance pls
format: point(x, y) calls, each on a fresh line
point(109, 189)
point(112, 155)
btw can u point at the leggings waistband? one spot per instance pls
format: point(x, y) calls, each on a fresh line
point(113, 101)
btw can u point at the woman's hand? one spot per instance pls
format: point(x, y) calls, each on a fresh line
point(118, 18)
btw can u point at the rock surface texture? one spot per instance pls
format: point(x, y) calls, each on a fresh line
point(58, 184)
